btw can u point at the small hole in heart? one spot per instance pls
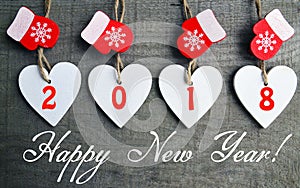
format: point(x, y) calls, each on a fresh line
point(119, 82)
point(49, 82)
point(191, 84)
point(266, 84)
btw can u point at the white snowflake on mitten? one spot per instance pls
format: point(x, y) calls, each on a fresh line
point(115, 37)
point(266, 42)
point(41, 32)
point(193, 40)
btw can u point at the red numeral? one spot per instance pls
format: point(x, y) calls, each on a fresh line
point(266, 94)
point(191, 97)
point(117, 105)
point(46, 104)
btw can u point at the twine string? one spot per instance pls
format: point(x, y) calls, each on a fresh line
point(47, 8)
point(122, 11)
point(187, 10)
point(193, 63)
point(119, 63)
point(261, 62)
point(264, 72)
point(120, 66)
point(258, 9)
point(41, 56)
point(192, 66)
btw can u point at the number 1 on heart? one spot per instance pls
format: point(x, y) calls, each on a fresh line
point(191, 98)
point(46, 104)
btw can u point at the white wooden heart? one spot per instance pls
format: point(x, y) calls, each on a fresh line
point(188, 104)
point(120, 101)
point(248, 85)
point(52, 100)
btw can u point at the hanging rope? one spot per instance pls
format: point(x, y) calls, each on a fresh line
point(261, 62)
point(41, 57)
point(122, 10)
point(192, 66)
point(47, 8)
point(187, 10)
point(193, 63)
point(119, 63)
point(258, 9)
point(264, 72)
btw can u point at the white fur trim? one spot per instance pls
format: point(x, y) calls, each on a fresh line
point(95, 28)
point(21, 24)
point(210, 25)
point(279, 25)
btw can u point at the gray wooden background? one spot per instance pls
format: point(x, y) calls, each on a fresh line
point(19, 123)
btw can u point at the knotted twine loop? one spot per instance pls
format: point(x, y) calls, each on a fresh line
point(193, 63)
point(264, 72)
point(41, 57)
point(261, 62)
point(47, 8)
point(119, 63)
point(41, 61)
point(192, 66)
point(122, 11)
point(120, 66)
point(258, 9)
point(187, 10)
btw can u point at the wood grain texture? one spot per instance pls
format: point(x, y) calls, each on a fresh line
point(19, 123)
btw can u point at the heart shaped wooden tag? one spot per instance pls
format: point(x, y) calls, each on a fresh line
point(51, 100)
point(190, 102)
point(265, 103)
point(120, 101)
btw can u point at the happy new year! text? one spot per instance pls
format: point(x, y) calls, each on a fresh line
point(229, 150)
point(67, 157)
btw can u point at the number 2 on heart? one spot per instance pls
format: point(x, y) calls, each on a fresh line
point(46, 104)
point(191, 98)
point(117, 105)
point(266, 103)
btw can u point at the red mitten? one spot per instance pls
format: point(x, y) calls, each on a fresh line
point(270, 32)
point(106, 35)
point(199, 34)
point(33, 31)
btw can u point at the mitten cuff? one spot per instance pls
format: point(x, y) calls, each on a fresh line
point(279, 25)
point(95, 28)
point(21, 24)
point(211, 26)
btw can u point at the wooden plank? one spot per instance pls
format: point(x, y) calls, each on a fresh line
point(19, 123)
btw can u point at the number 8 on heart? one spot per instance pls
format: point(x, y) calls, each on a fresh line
point(265, 95)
